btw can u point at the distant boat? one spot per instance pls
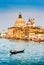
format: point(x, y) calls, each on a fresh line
point(15, 52)
point(41, 41)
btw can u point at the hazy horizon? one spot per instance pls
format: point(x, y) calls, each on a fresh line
point(9, 11)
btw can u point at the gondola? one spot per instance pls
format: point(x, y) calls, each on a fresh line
point(15, 52)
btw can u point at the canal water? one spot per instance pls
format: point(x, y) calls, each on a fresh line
point(33, 54)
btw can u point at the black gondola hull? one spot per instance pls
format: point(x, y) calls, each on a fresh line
point(15, 52)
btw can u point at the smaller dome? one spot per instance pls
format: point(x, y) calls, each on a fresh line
point(32, 21)
point(29, 22)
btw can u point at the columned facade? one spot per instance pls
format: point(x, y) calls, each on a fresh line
point(22, 30)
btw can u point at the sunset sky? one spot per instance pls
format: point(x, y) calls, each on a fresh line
point(9, 11)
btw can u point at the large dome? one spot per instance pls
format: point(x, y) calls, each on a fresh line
point(19, 22)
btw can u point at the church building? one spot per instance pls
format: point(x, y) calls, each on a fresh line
point(18, 31)
point(23, 30)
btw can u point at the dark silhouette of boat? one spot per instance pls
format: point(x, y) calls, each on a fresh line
point(41, 41)
point(15, 52)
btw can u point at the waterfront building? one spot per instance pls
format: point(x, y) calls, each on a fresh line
point(3, 34)
point(18, 31)
point(22, 30)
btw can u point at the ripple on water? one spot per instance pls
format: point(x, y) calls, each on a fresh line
point(33, 54)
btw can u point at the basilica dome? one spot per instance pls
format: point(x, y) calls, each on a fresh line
point(19, 22)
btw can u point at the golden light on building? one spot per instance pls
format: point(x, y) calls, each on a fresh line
point(22, 30)
point(19, 22)
point(30, 22)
